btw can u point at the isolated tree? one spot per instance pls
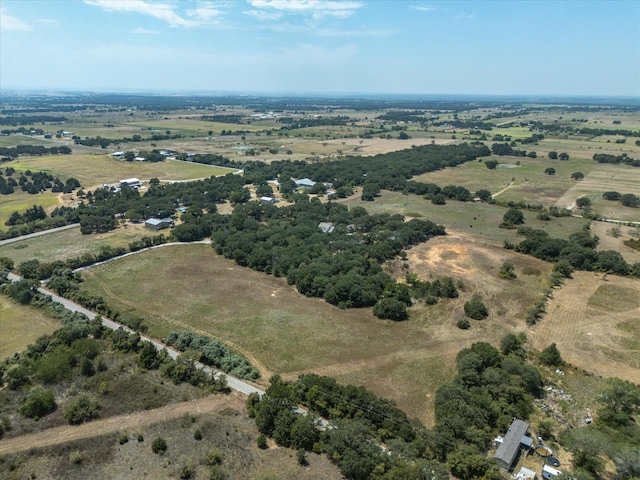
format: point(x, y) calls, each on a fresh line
point(513, 216)
point(563, 156)
point(129, 156)
point(507, 271)
point(583, 202)
point(474, 308)
point(612, 196)
point(553, 155)
point(577, 176)
point(391, 308)
point(491, 164)
point(551, 356)
point(550, 171)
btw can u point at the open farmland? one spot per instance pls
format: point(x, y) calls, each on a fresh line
point(19, 201)
point(94, 170)
point(476, 220)
point(71, 243)
point(20, 326)
point(594, 320)
point(176, 288)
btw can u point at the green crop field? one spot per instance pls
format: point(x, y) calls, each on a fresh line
point(20, 326)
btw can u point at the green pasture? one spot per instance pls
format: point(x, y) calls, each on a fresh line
point(19, 201)
point(71, 243)
point(20, 326)
point(476, 219)
point(92, 170)
point(523, 176)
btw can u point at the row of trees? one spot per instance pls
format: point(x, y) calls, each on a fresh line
point(10, 153)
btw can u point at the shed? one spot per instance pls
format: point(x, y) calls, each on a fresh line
point(305, 183)
point(526, 474)
point(549, 473)
point(508, 451)
point(158, 223)
point(268, 200)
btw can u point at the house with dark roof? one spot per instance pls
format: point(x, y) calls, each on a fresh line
point(509, 450)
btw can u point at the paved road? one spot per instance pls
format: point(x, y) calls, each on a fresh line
point(233, 383)
point(37, 234)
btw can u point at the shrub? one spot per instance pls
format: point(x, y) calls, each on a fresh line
point(140, 437)
point(213, 457)
point(82, 409)
point(463, 323)
point(197, 435)
point(507, 271)
point(37, 403)
point(75, 457)
point(475, 309)
point(302, 457)
point(391, 308)
point(262, 441)
point(159, 445)
point(123, 439)
point(551, 356)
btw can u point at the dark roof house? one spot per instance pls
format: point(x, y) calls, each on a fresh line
point(508, 451)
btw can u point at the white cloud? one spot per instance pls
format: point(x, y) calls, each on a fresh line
point(423, 8)
point(206, 12)
point(9, 23)
point(316, 8)
point(263, 15)
point(48, 21)
point(468, 16)
point(161, 11)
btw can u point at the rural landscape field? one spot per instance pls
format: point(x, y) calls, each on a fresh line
point(319, 239)
point(194, 279)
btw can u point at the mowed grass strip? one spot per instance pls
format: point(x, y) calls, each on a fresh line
point(20, 326)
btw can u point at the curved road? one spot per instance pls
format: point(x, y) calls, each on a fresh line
point(233, 383)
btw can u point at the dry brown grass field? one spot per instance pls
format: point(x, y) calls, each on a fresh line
point(594, 320)
point(222, 420)
point(190, 287)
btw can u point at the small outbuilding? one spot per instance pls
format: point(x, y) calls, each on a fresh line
point(304, 183)
point(268, 200)
point(549, 473)
point(131, 182)
point(509, 450)
point(158, 223)
point(326, 227)
point(526, 474)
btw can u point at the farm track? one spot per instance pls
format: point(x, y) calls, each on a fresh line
point(129, 423)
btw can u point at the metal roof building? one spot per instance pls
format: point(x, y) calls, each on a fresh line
point(509, 449)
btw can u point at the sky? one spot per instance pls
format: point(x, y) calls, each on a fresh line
point(516, 47)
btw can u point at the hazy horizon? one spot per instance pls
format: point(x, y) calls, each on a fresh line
point(323, 47)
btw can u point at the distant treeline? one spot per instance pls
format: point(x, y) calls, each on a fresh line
point(230, 118)
point(105, 142)
point(293, 123)
point(13, 152)
point(624, 158)
point(30, 119)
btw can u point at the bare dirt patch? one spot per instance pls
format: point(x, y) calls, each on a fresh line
point(374, 146)
point(608, 242)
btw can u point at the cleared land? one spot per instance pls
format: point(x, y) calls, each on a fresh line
point(225, 429)
point(71, 243)
point(287, 333)
point(594, 320)
point(20, 326)
point(92, 170)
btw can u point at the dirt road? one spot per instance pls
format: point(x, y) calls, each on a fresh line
point(130, 424)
